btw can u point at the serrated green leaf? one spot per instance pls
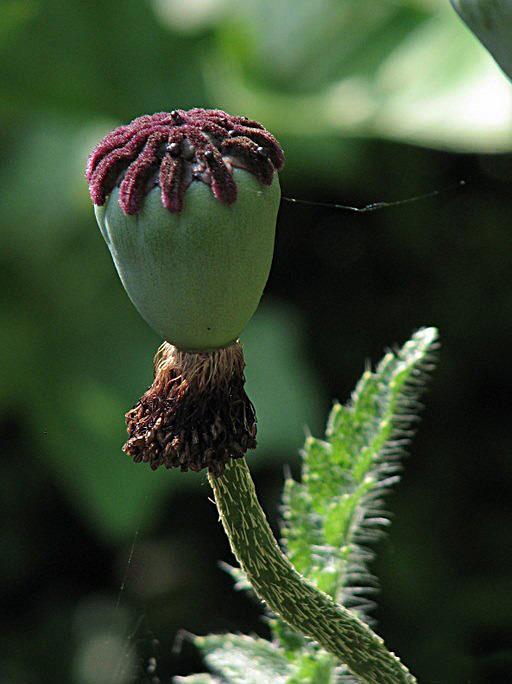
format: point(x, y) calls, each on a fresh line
point(337, 508)
point(301, 527)
point(291, 641)
point(239, 577)
point(241, 659)
point(313, 668)
point(197, 679)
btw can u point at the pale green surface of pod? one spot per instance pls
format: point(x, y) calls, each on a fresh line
point(196, 276)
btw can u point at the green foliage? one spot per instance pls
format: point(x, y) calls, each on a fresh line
point(242, 659)
point(409, 72)
point(333, 513)
point(338, 506)
point(197, 679)
point(491, 22)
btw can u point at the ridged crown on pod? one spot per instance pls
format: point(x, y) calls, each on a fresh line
point(172, 149)
point(187, 202)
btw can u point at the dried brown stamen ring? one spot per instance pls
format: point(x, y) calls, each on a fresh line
point(196, 414)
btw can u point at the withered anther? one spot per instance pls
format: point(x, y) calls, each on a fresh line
point(196, 413)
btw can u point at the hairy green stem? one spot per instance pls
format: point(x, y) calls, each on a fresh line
point(291, 596)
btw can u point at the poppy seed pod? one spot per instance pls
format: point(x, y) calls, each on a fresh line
point(187, 202)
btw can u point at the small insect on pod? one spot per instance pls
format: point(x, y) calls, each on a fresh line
point(187, 203)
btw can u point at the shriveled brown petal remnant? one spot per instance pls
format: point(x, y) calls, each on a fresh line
point(196, 414)
point(173, 149)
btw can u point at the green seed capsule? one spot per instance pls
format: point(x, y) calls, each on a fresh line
point(196, 276)
point(187, 202)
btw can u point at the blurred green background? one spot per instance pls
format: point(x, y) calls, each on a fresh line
point(102, 562)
